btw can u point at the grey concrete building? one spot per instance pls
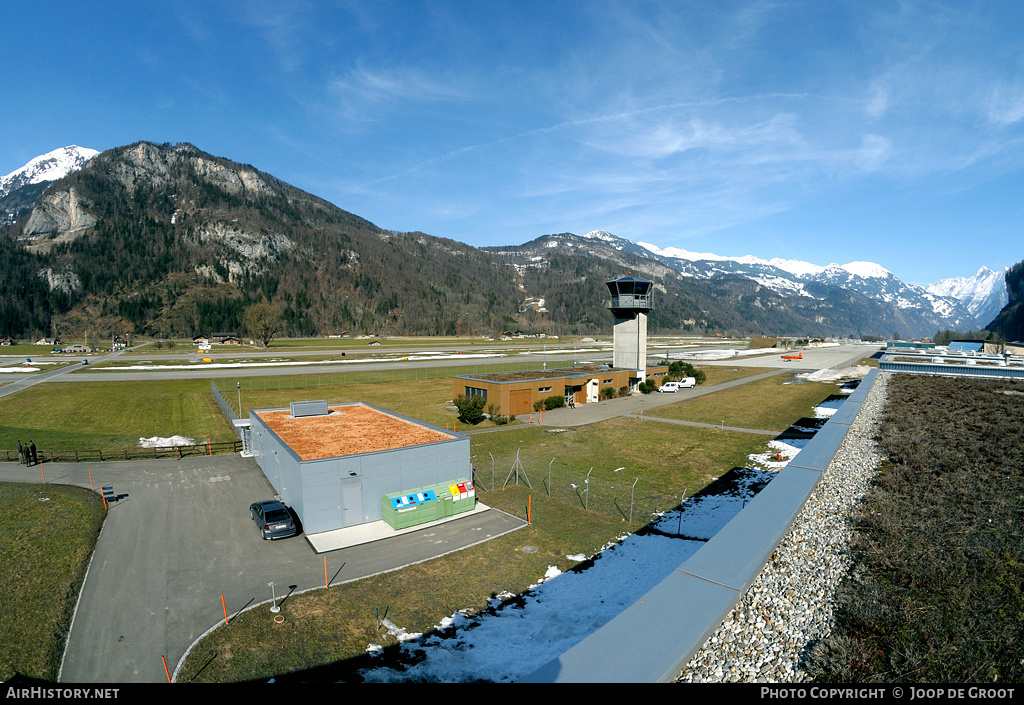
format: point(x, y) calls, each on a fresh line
point(333, 464)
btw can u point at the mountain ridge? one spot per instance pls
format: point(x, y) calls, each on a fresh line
point(186, 240)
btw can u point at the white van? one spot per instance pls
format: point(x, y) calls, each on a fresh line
point(684, 383)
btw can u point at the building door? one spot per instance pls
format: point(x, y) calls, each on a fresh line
point(351, 501)
point(519, 402)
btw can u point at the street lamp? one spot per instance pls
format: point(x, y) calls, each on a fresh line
point(275, 609)
point(238, 385)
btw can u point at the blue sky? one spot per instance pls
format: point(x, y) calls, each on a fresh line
point(822, 131)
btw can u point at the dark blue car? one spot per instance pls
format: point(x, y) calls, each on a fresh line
point(273, 519)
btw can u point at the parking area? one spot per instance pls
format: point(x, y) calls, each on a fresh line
point(180, 537)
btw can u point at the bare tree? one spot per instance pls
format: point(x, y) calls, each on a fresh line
point(262, 321)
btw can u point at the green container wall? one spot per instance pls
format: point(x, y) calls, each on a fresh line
point(445, 505)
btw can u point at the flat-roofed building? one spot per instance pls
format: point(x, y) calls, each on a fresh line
point(334, 463)
point(516, 392)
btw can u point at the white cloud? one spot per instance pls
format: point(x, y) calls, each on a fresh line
point(874, 152)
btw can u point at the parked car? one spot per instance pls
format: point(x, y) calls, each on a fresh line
point(684, 383)
point(273, 519)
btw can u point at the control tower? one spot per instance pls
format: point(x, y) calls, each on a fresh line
point(631, 301)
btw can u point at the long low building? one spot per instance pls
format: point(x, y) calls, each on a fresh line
point(516, 392)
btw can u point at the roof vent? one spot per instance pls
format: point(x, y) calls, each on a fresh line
point(309, 408)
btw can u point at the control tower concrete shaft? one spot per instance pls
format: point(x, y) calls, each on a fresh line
point(630, 304)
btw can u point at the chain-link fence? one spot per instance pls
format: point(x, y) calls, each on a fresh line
point(626, 496)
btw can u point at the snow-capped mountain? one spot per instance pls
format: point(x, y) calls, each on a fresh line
point(792, 277)
point(20, 188)
point(47, 167)
point(984, 294)
point(928, 311)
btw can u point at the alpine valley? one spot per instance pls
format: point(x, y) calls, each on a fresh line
point(164, 239)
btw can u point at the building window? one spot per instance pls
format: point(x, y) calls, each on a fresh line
point(476, 392)
point(544, 389)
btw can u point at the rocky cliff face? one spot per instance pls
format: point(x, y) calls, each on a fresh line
point(167, 238)
point(1010, 321)
point(57, 218)
point(154, 167)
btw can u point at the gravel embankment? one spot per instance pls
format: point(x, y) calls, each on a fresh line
point(790, 603)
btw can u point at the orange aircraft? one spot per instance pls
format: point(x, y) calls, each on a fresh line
point(798, 356)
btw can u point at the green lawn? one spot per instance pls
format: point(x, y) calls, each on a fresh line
point(768, 404)
point(48, 535)
point(101, 415)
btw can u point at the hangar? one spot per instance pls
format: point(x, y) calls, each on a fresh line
point(340, 465)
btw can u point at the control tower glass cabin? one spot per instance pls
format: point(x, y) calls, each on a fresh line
point(630, 304)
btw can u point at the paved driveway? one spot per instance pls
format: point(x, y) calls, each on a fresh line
point(179, 538)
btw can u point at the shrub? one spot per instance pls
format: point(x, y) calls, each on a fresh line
point(494, 412)
point(471, 409)
point(679, 369)
point(624, 391)
point(553, 402)
point(608, 392)
point(647, 386)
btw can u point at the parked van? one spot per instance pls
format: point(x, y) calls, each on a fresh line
point(669, 387)
point(687, 382)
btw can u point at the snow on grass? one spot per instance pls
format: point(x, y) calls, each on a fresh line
point(282, 363)
point(827, 408)
point(519, 634)
point(165, 442)
point(846, 373)
point(516, 635)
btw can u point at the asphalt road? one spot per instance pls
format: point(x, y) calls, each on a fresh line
point(180, 537)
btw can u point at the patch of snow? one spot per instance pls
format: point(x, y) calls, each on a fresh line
point(846, 373)
point(868, 270)
point(161, 442)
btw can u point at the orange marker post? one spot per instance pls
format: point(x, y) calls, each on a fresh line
point(91, 486)
point(225, 604)
point(529, 509)
point(162, 658)
point(326, 583)
point(42, 471)
point(209, 445)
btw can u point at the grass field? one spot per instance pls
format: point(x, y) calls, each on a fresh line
point(48, 535)
point(770, 404)
point(73, 415)
point(107, 415)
